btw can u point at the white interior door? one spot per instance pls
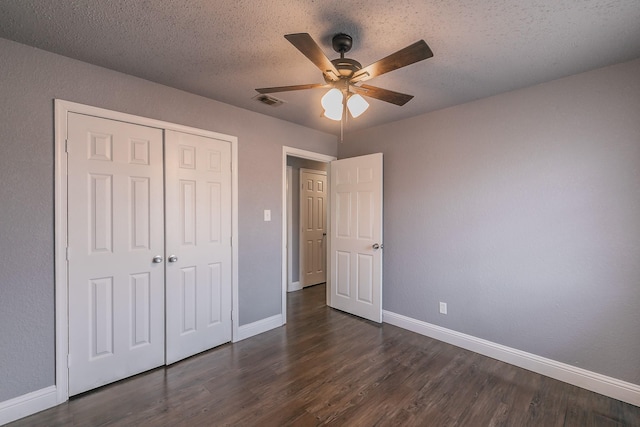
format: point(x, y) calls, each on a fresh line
point(115, 229)
point(356, 236)
point(313, 227)
point(198, 243)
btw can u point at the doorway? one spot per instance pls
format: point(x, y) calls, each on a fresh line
point(306, 235)
point(292, 158)
point(354, 233)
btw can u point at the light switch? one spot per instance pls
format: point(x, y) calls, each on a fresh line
point(267, 215)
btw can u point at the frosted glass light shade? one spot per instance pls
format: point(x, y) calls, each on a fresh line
point(333, 114)
point(357, 105)
point(332, 104)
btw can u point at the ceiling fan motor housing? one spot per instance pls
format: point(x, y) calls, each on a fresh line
point(342, 43)
point(346, 66)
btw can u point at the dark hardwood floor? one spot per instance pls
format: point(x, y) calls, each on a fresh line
point(327, 367)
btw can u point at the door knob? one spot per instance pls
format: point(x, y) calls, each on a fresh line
point(377, 246)
point(157, 259)
point(173, 258)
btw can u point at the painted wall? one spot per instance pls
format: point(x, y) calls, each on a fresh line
point(522, 212)
point(29, 81)
point(296, 163)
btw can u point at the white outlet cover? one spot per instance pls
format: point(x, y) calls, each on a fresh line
point(267, 215)
point(443, 308)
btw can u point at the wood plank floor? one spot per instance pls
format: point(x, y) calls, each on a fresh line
point(327, 367)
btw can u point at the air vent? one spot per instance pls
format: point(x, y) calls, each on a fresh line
point(268, 100)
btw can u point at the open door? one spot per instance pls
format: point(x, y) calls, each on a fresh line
point(355, 254)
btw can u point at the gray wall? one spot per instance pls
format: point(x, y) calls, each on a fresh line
point(522, 212)
point(296, 163)
point(29, 81)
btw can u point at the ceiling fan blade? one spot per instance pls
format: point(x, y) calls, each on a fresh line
point(309, 48)
point(386, 95)
point(407, 56)
point(288, 88)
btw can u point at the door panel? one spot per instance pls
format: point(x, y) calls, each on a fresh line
point(115, 217)
point(356, 225)
point(198, 234)
point(313, 223)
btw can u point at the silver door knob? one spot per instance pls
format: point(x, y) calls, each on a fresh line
point(157, 259)
point(173, 258)
point(377, 246)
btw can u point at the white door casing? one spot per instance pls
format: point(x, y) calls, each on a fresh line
point(291, 285)
point(115, 228)
point(198, 243)
point(356, 236)
point(313, 227)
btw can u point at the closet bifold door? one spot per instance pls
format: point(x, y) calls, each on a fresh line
point(197, 243)
point(115, 249)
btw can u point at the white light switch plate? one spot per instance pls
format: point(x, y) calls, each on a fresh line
point(267, 215)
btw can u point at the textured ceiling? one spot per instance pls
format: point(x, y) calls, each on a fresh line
point(224, 49)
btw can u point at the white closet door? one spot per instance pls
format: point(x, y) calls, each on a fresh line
point(115, 215)
point(198, 243)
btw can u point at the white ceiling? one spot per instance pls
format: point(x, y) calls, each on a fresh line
point(224, 49)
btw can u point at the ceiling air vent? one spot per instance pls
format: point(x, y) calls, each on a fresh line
point(268, 100)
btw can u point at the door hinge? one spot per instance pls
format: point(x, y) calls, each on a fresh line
point(68, 360)
point(66, 145)
point(67, 253)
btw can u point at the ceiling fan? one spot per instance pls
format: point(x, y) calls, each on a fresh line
point(345, 76)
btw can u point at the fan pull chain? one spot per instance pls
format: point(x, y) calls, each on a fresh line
point(343, 119)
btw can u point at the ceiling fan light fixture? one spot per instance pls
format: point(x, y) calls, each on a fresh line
point(332, 104)
point(357, 105)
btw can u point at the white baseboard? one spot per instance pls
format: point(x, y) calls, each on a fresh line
point(28, 404)
point(255, 328)
point(294, 286)
point(608, 386)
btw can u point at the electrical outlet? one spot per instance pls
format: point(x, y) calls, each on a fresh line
point(267, 215)
point(443, 308)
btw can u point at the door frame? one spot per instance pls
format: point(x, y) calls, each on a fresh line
point(304, 154)
point(290, 282)
point(61, 110)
